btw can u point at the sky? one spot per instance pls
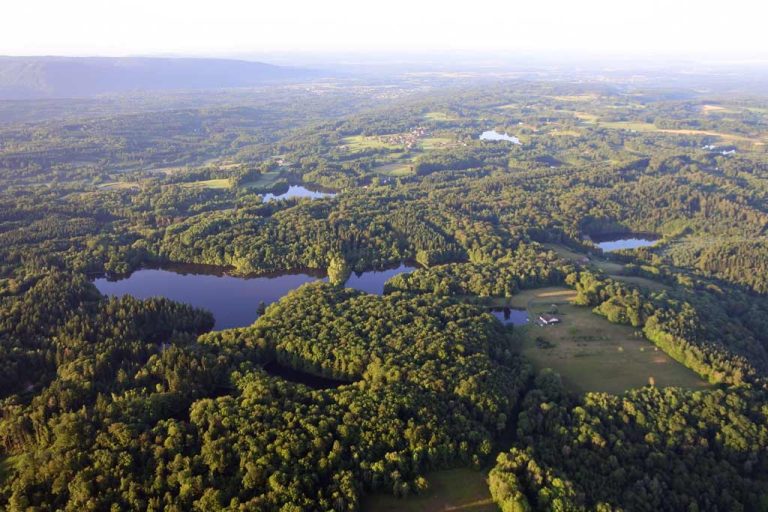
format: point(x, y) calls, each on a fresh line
point(731, 30)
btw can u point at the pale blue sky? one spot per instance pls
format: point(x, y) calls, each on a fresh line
point(233, 27)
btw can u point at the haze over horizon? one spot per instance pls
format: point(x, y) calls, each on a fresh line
point(240, 29)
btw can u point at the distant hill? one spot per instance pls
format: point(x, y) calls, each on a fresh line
point(71, 77)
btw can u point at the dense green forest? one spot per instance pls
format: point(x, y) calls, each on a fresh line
point(125, 404)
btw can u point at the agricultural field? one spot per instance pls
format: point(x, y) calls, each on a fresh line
point(589, 352)
point(395, 169)
point(611, 268)
point(462, 490)
point(119, 185)
point(218, 183)
point(433, 143)
point(440, 116)
point(357, 143)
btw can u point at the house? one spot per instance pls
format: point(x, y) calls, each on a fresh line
point(546, 319)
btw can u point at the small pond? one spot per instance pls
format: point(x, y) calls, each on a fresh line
point(308, 379)
point(511, 316)
point(617, 242)
point(494, 135)
point(234, 301)
point(298, 191)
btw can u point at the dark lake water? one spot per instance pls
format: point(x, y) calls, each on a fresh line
point(308, 379)
point(610, 243)
point(298, 191)
point(511, 316)
point(232, 300)
point(494, 135)
point(373, 281)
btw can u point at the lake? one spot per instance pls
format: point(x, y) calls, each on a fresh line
point(373, 280)
point(494, 135)
point(511, 316)
point(298, 191)
point(232, 300)
point(617, 242)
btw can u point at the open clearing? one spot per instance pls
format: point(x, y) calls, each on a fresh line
point(565, 132)
point(650, 127)
point(440, 116)
point(219, 183)
point(717, 109)
point(362, 143)
point(463, 490)
point(592, 354)
point(606, 266)
point(119, 185)
point(395, 169)
point(576, 97)
point(614, 270)
point(432, 143)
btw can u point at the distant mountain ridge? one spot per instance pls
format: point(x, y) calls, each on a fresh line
point(77, 77)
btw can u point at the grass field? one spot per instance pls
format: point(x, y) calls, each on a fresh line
point(586, 116)
point(361, 143)
point(118, 185)
point(440, 116)
point(649, 127)
point(433, 143)
point(394, 169)
point(576, 97)
point(220, 183)
point(461, 490)
point(629, 125)
point(564, 132)
point(606, 266)
point(717, 109)
point(641, 281)
point(592, 354)
point(614, 270)
point(725, 136)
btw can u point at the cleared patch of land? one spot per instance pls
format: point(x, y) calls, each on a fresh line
point(565, 132)
point(362, 143)
point(576, 97)
point(463, 490)
point(394, 169)
point(589, 352)
point(586, 116)
point(639, 126)
point(724, 136)
point(440, 116)
point(717, 109)
point(119, 185)
point(219, 183)
point(641, 281)
point(606, 266)
point(614, 270)
point(432, 143)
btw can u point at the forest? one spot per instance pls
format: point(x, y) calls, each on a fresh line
point(120, 403)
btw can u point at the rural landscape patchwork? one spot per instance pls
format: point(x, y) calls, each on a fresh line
point(234, 285)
